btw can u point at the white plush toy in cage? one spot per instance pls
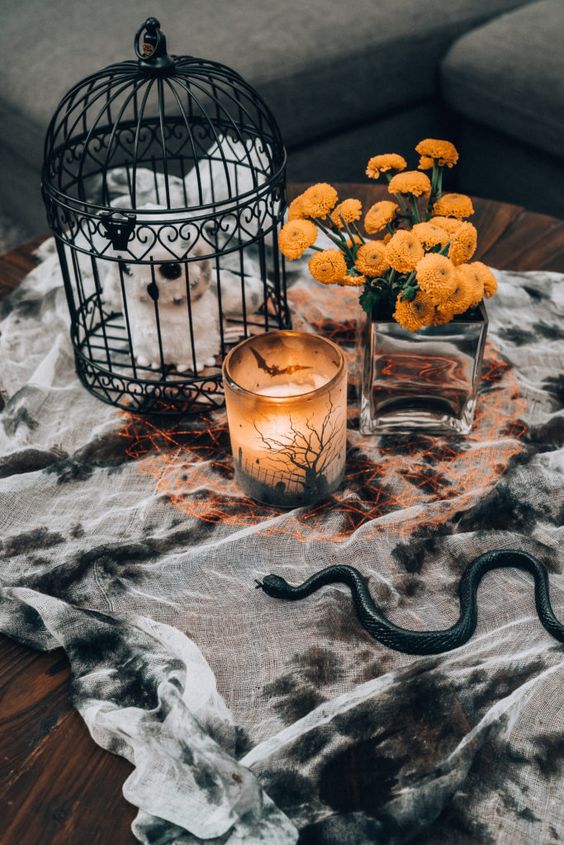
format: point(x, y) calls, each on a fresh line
point(184, 348)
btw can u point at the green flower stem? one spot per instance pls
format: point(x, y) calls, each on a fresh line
point(401, 203)
point(440, 182)
point(434, 177)
point(338, 240)
point(436, 188)
point(358, 232)
point(415, 210)
point(349, 233)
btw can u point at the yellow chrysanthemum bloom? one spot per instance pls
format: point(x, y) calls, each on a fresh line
point(296, 209)
point(463, 244)
point(371, 258)
point(379, 215)
point(352, 281)
point(295, 237)
point(403, 251)
point(443, 151)
point(318, 200)
point(475, 281)
point(487, 278)
point(453, 205)
point(436, 276)
point(347, 210)
point(442, 317)
point(425, 163)
point(411, 182)
point(383, 163)
point(430, 235)
point(460, 299)
point(416, 314)
point(328, 266)
point(449, 224)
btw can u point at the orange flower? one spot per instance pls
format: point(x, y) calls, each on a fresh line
point(475, 281)
point(442, 317)
point(328, 266)
point(382, 163)
point(425, 163)
point(460, 299)
point(371, 258)
point(449, 224)
point(486, 276)
point(347, 210)
point(403, 251)
point(295, 237)
point(454, 205)
point(379, 215)
point(296, 209)
point(416, 314)
point(411, 182)
point(430, 235)
point(463, 243)
point(442, 151)
point(436, 277)
point(352, 281)
point(319, 199)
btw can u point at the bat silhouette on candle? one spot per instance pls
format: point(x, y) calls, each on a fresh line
point(274, 369)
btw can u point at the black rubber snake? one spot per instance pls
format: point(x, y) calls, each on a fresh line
point(425, 642)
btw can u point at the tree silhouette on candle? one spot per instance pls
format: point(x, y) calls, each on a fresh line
point(305, 455)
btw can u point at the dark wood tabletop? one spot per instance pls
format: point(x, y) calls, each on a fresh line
point(56, 786)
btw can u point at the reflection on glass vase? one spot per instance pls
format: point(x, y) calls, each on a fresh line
point(426, 380)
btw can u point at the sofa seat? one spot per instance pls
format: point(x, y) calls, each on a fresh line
point(323, 67)
point(509, 76)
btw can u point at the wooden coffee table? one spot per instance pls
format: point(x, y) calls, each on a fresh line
point(56, 786)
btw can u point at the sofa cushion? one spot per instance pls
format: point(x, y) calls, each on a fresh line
point(322, 66)
point(509, 75)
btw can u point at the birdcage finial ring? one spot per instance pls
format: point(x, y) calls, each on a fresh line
point(150, 47)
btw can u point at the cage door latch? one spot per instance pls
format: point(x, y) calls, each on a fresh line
point(118, 227)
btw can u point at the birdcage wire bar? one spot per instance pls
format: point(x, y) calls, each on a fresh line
point(164, 186)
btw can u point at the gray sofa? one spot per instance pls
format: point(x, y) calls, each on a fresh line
point(344, 80)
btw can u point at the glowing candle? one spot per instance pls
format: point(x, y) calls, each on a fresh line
point(286, 398)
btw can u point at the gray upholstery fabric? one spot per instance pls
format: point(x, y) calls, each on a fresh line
point(499, 167)
point(342, 157)
point(509, 75)
point(323, 66)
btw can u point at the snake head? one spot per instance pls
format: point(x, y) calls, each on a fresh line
point(274, 585)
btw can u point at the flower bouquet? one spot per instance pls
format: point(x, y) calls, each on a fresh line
point(422, 341)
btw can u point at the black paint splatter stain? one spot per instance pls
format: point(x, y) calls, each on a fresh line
point(28, 460)
point(554, 386)
point(425, 543)
point(287, 788)
point(550, 332)
point(319, 666)
point(516, 335)
point(549, 754)
point(30, 541)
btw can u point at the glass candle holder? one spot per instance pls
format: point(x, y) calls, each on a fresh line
point(286, 399)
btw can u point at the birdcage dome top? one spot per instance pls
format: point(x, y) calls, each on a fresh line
point(204, 135)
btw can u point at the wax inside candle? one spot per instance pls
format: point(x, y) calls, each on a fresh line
point(294, 388)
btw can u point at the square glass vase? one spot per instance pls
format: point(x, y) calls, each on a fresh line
point(425, 381)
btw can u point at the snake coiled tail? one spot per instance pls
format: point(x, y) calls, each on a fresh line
point(425, 642)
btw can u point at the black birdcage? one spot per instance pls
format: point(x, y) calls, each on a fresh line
point(164, 183)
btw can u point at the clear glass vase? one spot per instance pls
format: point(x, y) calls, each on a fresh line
point(426, 380)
